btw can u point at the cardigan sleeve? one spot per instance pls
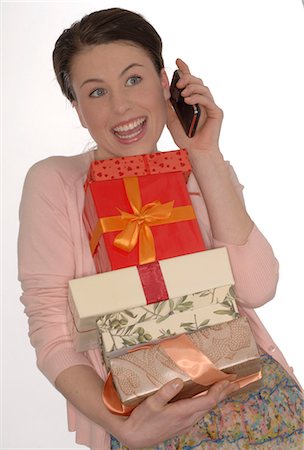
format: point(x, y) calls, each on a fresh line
point(46, 264)
point(254, 265)
point(255, 269)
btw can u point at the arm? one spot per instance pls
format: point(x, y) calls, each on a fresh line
point(209, 167)
point(222, 200)
point(46, 264)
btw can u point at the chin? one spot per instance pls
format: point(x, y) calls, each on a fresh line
point(133, 150)
point(140, 151)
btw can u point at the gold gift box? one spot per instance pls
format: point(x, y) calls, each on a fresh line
point(229, 346)
point(93, 296)
point(150, 323)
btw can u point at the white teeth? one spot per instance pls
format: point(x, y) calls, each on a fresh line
point(130, 136)
point(129, 126)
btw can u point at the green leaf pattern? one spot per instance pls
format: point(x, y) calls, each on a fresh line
point(133, 326)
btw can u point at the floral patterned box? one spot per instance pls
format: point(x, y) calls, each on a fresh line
point(220, 351)
point(94, 296)
point(122, 330)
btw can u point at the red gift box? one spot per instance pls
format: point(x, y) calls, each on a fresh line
point(140, 219)
point(150, 164)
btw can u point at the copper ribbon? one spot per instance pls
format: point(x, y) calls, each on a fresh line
point(192, 361)
point(112, 401)
point(135, 227)
point(188, 358)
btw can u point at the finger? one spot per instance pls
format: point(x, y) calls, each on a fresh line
point(165, 394)
point(233, 387)
point(215, 394)
point(196, 89)
point(212, 109)
point(201, 100)
point(183, 67)
point(186, 79)
point(208, 103)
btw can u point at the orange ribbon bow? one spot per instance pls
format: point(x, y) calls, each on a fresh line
point(135, 228)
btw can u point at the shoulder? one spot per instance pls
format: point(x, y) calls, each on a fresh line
point(64, 170)
point(51, 181)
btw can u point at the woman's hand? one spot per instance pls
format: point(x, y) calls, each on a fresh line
point(209, 126)
point(156, 420)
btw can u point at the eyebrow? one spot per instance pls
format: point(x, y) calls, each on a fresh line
point(98, 80)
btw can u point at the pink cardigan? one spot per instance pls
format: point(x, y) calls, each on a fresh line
point(53, 248)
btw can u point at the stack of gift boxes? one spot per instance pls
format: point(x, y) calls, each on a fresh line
point(161, 306)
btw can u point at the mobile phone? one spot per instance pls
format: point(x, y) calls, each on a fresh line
point(188, 114)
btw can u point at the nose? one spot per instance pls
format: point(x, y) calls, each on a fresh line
point(120, 102)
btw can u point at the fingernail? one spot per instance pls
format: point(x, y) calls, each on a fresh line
point(176, 384)
point(226, 384)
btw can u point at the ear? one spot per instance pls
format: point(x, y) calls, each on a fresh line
point(165, 84)
point(79, 113)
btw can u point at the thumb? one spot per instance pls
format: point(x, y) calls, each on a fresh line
point(166, 393)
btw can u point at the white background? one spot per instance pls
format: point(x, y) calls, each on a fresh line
point(250, 53)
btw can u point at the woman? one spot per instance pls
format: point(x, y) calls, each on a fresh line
point(109, 65)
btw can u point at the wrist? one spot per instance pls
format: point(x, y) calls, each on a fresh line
point(206, 160)
point(204, 151)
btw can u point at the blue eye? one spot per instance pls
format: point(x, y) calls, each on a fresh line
point(133, 80)
point(98, 92)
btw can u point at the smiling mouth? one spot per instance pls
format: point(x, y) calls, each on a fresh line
point(130, 130)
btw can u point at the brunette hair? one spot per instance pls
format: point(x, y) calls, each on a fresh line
point(102, 27)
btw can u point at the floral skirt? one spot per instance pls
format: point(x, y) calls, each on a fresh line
point(270, 418)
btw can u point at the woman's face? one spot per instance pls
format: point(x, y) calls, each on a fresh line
point(120, 98)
